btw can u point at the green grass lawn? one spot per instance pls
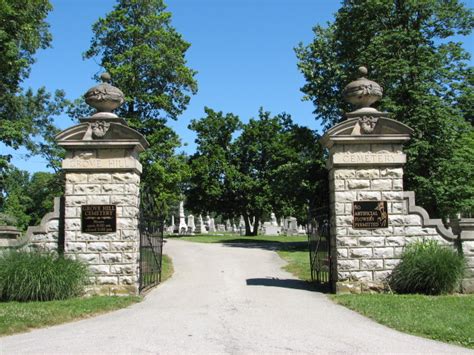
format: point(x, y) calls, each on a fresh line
point(446, 318)
point(166, 268)
point(18, 317)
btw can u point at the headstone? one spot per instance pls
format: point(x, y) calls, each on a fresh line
point(191, 225)
point(273, 219)
point(201, 228)
point(212, 226)
point(183, 228)
point(221, 228)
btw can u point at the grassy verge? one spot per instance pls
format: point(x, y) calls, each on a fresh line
point(166, 268)
point(445, 318)
point(18, 317)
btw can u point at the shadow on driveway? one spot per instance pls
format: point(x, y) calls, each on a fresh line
point(288, 283)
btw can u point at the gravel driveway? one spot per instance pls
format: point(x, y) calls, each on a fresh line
point(225, 299)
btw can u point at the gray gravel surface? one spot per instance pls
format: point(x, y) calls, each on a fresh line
point(225, 300)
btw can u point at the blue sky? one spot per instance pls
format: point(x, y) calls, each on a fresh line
point(242, 50)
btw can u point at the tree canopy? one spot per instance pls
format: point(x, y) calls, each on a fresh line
point(426, 79)
point(145, 56)
point(268, 164)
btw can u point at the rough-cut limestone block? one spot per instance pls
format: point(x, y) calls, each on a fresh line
point(125, 177)
point(353, 184)
point(129, 257)
point(392, 195)
point(368, 196)
point(123, 269)
point(107, 280)
point(98, 200)
point(122, 246)
point(347, 265)
point(413, 220)
point(127, 280)
point(124, 200)
point(345, 196)
point(383, 231)
point(99, 269)
point(382, 275)
point(361, 275)
point(358, 232)
point(88, 258)
point(71, 201)
point(371, 264)
point(98, 246)
point(75, 247)
point(344, 174)
point(100, 178)
point(111, 258)
point(339, 208)
point(395, 241)
point(367, 173)
point(131, 189)
point(397, 184)
point(86, 189)
point(342, 253)
point(383, 252)
point(371, 241)
point(344, 221)
point(381, 184)
point(74, 178)
point(391, 172)
point(72, 224)
point(346, 241)
point(397, 207)
point(118, 189)
point(339, 185)
point(390, 264)
point(360, 252)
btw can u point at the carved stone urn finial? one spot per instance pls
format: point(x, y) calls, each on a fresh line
point(362, 92)
point(104, 97)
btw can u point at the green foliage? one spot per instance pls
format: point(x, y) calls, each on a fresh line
point(29, 198)
point(427, 84)
point(443, 318)
point(145, 56)
point(25, 116)
point(427, 268)
point(28, 276)
point(272, 165)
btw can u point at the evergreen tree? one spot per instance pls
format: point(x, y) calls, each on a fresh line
point(145, 56)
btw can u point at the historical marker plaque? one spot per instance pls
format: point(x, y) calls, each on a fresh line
point(369, 214)
point(98, 218)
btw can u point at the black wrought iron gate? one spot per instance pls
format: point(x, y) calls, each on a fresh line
point(319, 242)
point(151, 225)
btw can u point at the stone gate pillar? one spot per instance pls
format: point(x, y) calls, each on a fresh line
point(102, 173)
point(366, 190)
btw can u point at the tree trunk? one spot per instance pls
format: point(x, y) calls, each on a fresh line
point(248, 230)
point(255, 226)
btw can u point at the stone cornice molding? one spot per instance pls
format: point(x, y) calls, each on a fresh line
point(426, 221)
point(387, 130)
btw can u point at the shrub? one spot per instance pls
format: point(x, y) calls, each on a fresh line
point(33, 276)
point(427, 268)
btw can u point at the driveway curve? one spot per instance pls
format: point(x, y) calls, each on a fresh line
point(225, 299)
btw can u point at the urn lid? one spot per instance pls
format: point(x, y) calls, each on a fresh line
point(104, 97)
point(362, 92)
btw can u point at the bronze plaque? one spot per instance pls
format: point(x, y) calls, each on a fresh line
point(99, 218)
point(369, 214)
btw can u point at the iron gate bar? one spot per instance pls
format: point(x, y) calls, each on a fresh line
point(151, 226)
point(320, 246)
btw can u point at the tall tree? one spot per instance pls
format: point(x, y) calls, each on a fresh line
point(26, 117)
point(145, 56)
point(427, 84)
